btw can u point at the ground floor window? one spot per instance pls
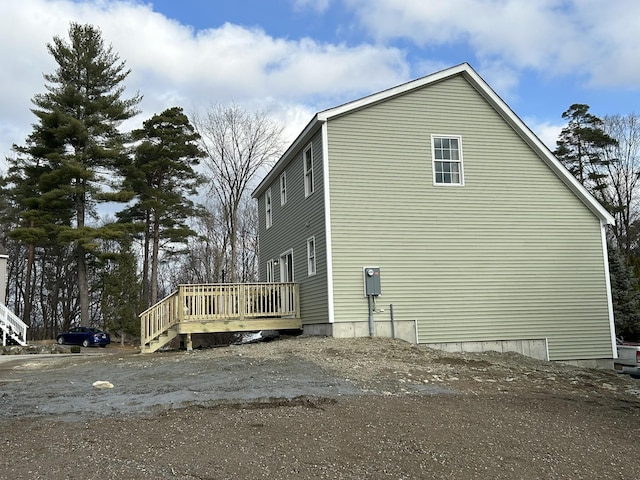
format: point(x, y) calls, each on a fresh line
point(270, 271)
point(311, 256)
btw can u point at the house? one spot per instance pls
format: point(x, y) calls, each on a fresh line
point(12, 329)
point(479, 238)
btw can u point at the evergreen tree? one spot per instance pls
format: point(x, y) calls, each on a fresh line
point(581, 148)
point(77, 140)
point(625, 296)
point(593, 157)
point(163, 178)
point(121, 292)
point(38, 212)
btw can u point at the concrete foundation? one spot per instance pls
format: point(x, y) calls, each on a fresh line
point(599, 363)
point(405, 330)
point(534, 348)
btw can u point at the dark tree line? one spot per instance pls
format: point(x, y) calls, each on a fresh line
point(100, 223)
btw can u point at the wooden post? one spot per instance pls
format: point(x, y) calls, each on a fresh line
point(182, 306)
point(296, 289)
point(3, 274)
point(242, 300)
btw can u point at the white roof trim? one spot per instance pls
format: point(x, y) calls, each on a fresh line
point(391, 92)
point(502, 108)
point(487, 92)
point(281, 163)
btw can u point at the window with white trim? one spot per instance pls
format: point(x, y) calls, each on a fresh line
point(308, 170)
point(270, 271)
point(283, 188)
point(311, 256)
point(267, 206)
point(447, 160)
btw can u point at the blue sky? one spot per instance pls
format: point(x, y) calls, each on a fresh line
point(293, 58)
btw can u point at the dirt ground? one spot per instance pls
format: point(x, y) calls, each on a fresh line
point(314, 408)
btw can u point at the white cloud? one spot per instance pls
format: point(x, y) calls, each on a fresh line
point(174, 65)
point(316, 5)
point(596, 39)
point(547, 132)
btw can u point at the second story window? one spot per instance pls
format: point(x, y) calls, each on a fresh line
point(308, 170)
point(447, 160)
point(283, 188)
point(267, 206)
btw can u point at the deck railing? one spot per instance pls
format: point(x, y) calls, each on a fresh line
point(220, 301)
point(11, 327)
point(159, 318)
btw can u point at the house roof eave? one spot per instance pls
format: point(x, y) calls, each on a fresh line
point(486, 91)
point(538, 146)
point(282, 162)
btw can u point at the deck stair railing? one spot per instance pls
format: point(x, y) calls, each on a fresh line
point(12, 328)
point(216, 302)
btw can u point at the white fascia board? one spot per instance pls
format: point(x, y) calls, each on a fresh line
point(502, 108)
point(284, 159)
point(536, 144)
point(607, 279)
point(391, 92)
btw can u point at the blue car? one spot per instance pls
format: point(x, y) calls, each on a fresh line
point(84, 336)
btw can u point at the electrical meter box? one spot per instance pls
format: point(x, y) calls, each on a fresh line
point(371, 281)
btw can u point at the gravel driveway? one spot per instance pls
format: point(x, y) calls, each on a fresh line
point(314, 408)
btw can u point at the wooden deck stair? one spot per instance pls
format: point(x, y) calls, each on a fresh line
point(220, 307)
point(162, 339)
point(12, 329)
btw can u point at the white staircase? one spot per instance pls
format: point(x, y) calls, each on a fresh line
point(12, 328)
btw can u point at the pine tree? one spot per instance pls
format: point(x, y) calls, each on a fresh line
point(626, 297)
point(78, 140)
point(581, 148)
point(121, 293)
point(163, 178)
point(39, 213)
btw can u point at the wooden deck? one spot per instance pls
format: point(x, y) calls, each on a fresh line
point(220, 307)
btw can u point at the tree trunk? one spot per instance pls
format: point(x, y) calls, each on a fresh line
point(146, 295)
point(83, 286)
point(234, 244)
point(83, 278)
point(28, 301)
point(154, 262)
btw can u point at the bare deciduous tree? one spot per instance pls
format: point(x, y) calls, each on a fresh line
point(623, 179)
point(204, 260)
point(239, 145)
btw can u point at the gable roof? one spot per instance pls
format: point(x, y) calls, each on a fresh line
point(485, 91)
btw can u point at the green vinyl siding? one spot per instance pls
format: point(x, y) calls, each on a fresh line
point(512, 254)
point(293, 224)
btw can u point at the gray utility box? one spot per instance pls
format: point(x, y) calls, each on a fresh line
point(371, 281)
